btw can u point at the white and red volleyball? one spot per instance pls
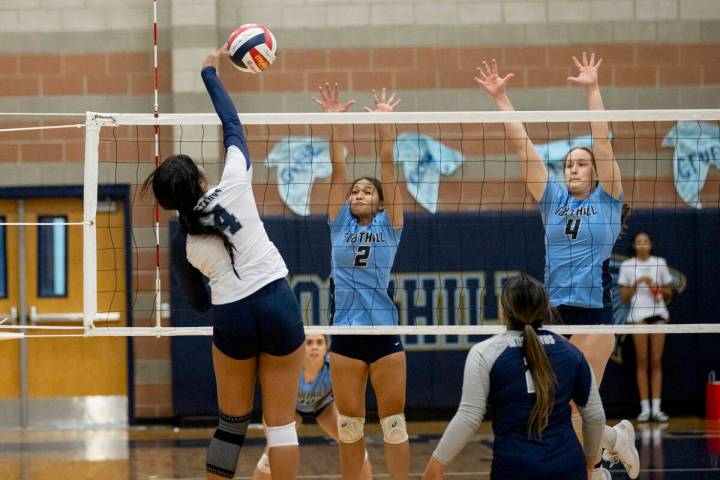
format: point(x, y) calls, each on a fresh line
point(252, 47)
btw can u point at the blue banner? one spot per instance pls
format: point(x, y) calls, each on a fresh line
point(697, 148)
point(449, 270)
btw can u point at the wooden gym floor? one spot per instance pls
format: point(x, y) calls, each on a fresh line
point(685, 448)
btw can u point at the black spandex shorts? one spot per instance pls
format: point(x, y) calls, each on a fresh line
point(307, 415)
point(267, 321)
point(368, 348)
point(570, 315)
point(652, 320)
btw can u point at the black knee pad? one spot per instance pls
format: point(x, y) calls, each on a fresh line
point(224, 449)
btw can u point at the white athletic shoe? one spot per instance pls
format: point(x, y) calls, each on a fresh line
point(624, 450)
point(644, 416)
point(601, 474)
point(660, 416)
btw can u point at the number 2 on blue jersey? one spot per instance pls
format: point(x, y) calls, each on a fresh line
point(361, 256)
point(225, 220)
point(572, 227)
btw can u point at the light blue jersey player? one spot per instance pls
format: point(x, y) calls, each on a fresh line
point(529, 376)
point(580, 234)
point(315, 397)
point(583, 215)
point(365, 218)
point(362, 257)
point(315, 393)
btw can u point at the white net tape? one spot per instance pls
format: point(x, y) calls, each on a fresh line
point(97, 122)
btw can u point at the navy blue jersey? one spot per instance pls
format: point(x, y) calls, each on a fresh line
point(496, 374)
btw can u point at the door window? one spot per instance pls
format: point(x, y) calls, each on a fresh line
point(52, 256)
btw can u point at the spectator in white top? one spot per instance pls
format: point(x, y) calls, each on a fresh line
point(646, 283)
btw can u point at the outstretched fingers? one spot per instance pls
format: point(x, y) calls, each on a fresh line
point(323, 92)
point(577, 62)
point(487, 70)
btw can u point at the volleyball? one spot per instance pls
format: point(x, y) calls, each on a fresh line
point(252, 48)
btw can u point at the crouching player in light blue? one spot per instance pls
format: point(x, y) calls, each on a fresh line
point(315, 397)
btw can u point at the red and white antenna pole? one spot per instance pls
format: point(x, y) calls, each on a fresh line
point(158, 285)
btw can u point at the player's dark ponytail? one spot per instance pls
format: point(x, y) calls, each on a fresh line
point(526, 306)
point(176, 184)
point(626, 211)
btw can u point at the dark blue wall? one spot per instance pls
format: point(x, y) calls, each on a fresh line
point(473, 253)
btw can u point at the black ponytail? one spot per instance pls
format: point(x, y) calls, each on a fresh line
point(526, 306)
point(176, 184)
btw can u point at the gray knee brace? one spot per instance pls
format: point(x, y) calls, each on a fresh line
point(224, 449)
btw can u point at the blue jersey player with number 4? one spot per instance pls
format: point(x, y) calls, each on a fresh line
point(257, 326)
point(366, 219)
point(583, 215)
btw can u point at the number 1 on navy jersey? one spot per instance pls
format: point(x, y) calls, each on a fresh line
point(572, 227)
point(361, 256)
point(225, 220)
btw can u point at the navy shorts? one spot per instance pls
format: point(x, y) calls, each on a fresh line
point(368, 348)
point(267, 321)
point(317, 409)
point(570, 315)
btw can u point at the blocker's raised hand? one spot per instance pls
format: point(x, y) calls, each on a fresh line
point(490, 79)
point(587, 71)
point(329, 99)
point(382, 103)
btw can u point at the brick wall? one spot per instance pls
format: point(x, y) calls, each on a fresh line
point(81, 74)
point(539, 66)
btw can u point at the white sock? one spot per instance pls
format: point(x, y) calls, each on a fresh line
point(655, 405)
point(609, 437)
point(645, 405)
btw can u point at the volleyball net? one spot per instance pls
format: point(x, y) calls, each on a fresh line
point(470, 222)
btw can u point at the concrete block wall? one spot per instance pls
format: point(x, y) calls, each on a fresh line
point(79, 55)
